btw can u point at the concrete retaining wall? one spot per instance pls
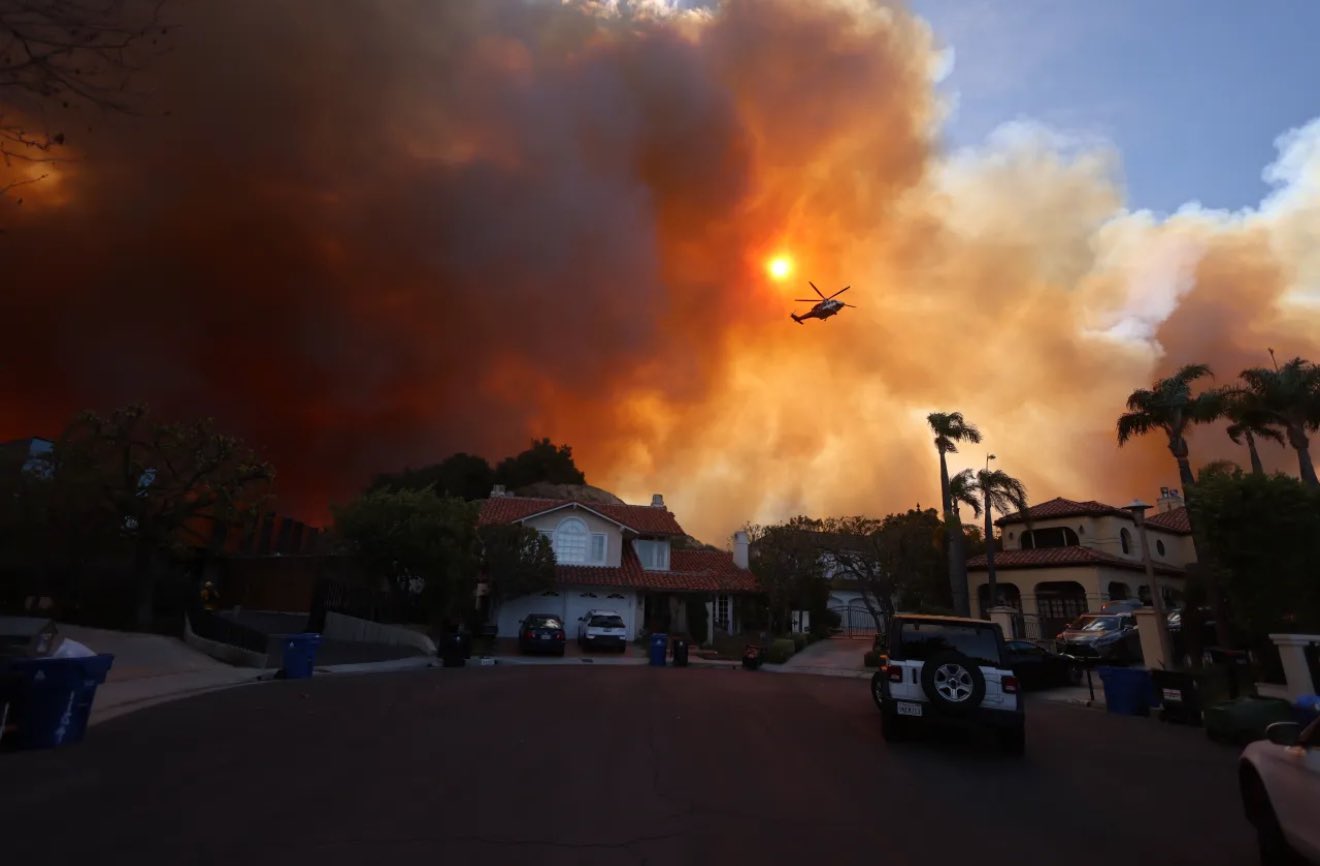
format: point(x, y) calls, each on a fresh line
point(340, 626)
point(224, 652)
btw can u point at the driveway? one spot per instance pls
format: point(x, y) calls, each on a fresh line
point(608, 765)
point(834, 655)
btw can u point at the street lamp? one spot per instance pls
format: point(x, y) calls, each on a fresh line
point(1137, 509)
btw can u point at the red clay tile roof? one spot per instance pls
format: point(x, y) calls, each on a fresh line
point(1060, 507)
point(1062, 557)
point(1175, 520)
point(642, 519)
point(690, 571)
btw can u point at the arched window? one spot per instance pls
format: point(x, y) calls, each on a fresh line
point(1125, 539)
point(1159, 546)
point(1054, 536)
point(570, 542)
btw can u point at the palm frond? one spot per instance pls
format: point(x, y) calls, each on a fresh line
point(1132, 424)
point(963, 489)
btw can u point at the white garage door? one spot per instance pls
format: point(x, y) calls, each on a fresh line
point(513, 611)
point(579, 600)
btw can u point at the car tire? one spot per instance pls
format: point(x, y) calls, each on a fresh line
point(966, 677)
point(1274, 848)
point(1013, 741)
point(892, 728)
point(878, 690)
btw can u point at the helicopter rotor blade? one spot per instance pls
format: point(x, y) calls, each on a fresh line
point(818, 291)
point(807, 300)
point(839, 292)
point(851, 306)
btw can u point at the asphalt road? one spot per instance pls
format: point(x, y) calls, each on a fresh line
point(608, 765)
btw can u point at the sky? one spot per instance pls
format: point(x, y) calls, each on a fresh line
point(400, 229)
point(1192, 93)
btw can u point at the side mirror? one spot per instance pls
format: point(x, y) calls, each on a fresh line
point(1283, 733)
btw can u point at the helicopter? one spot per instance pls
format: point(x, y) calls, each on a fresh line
point(824, 308)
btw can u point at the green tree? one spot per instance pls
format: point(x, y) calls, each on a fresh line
point(899, 557)
point(464, 476)
point(950, 428)
point(1249, 418)
point(1264, 534)
point(1290, 395)
point(159, 485)
point(1170, 407)
point(786, 559)
point(516, 560)
point(543, 461)
point(422, 545)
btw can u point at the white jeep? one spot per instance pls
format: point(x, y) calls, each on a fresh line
point(948, 670)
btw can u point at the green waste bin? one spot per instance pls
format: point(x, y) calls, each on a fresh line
point(1245, 719)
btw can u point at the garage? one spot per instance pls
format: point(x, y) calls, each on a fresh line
point(579, 600)
point(514, 610)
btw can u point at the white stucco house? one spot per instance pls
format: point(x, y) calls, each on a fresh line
point(622, 558)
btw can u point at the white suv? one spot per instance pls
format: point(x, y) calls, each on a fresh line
point(602, 628)
point(1280, 779)
point(948, 669)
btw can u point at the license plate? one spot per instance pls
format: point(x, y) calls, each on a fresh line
point(1173, 695)
point(907, 709)
point(545, 637)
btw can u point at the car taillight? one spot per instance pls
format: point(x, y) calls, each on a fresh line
point(895, 674)
point(559, 635)
point(1010, 685)
point(531, 635)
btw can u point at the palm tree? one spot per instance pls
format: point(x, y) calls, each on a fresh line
point(1291, 396)
point(950, 428)
point(1005, 494)
point(1250, 418)
point(963, 490)
point(1169, 406)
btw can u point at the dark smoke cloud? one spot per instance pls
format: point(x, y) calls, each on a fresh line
point(369, 234)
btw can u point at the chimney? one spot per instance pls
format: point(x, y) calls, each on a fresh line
point(1168, 501)
point(740, 549)
point(498, 491)
point(657, 501)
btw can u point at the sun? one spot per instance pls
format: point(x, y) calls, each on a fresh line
point(779, 267)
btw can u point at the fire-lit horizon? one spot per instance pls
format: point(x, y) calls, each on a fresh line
point(412, 229)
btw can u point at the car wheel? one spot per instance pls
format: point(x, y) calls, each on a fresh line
point(1013, 741)
point(953, 683)
point(1274, 848)
point(878, 690)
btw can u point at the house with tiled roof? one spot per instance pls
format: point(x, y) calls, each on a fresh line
point(630, 559)
point(1063, 557)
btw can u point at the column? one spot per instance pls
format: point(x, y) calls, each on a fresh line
point(1296, 672)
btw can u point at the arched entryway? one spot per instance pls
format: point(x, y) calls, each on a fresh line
point(1009, 596)
point(1118, 590)
point(1059, 602)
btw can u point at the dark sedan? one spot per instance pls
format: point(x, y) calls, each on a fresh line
point(1038, 668)
point(542, 633)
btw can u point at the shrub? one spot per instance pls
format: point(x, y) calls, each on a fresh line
point(871, 659)
point(799, 641)
point(780, 651)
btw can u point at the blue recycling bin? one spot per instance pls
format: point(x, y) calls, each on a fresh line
point(659, 646)
point(300, 655)
point(54, 698)
point(1306, 708)
point(1128, 691)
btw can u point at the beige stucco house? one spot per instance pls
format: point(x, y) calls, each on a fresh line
point(625, 558)
point(1062, 558)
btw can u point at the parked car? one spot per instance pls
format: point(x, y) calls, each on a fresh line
point(542, 633)
point(1039, 668)
point(944, 671)
point(1280, 784)
point(598, 629)
point(1106, 637)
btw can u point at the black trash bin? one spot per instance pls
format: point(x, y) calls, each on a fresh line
point(680, 653)
point(1180, 696)
point(1235, 666)
point(453, 650)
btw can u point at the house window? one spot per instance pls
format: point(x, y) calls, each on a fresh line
point(1054, 536)
point(722, 611)
point(575, 545)
point(653, 554)
point(1159, 547)
point(1125, 539)
point(598, 547)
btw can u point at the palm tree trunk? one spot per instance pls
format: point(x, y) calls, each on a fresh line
point(1298, 439)
point(1257, 468)
point(957, 564)
point(991, 584)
